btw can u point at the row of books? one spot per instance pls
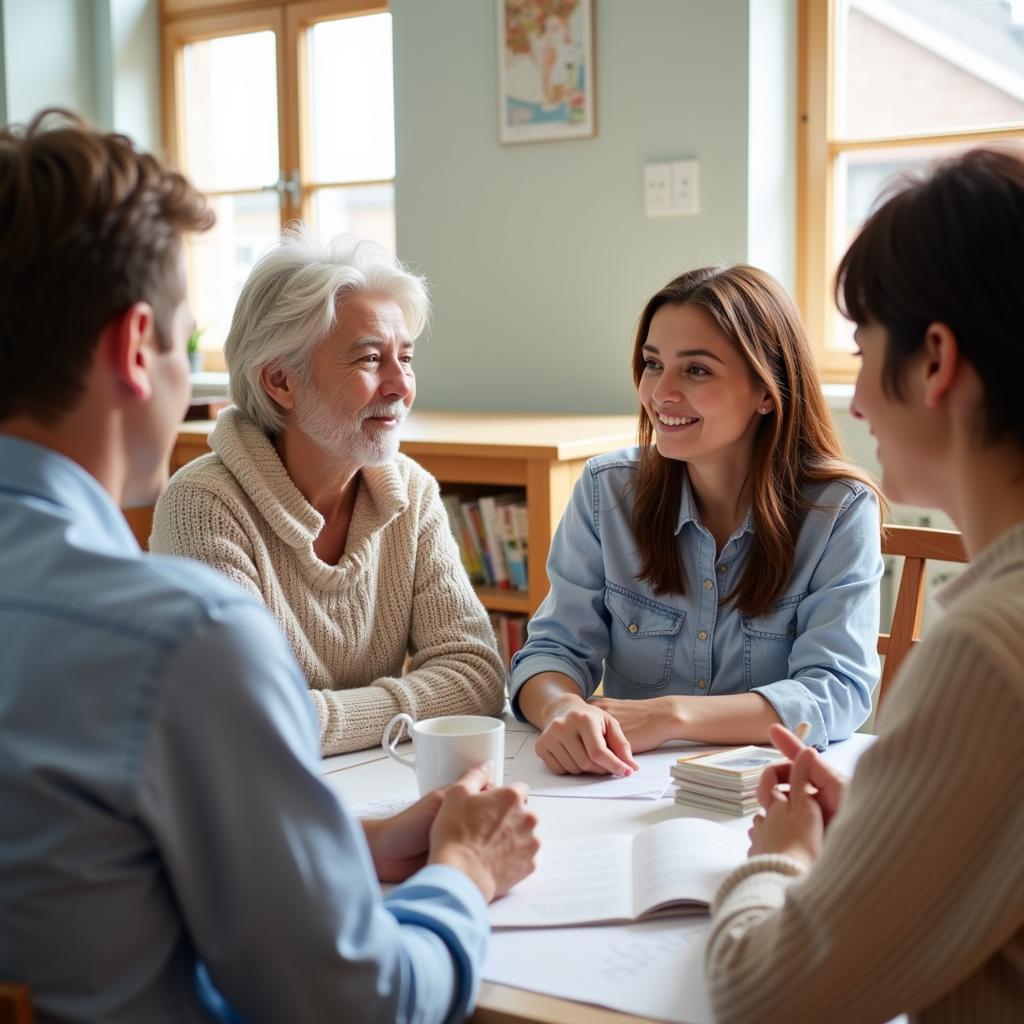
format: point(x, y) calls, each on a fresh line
point(492, 535)
point(510, 632)
point(724, 781)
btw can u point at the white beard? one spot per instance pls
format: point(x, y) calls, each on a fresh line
point(342, 437)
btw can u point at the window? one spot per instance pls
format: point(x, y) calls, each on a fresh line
point(277, 113)
point(888, 86)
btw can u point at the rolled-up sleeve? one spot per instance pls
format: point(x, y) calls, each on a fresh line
point(834, 664)
point(569, 633)
point(271, 874)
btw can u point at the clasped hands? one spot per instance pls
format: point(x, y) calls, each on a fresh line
point(799, 798)
point(488, 833)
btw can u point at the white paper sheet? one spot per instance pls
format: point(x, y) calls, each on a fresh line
point(654, 969)
point(651, 782)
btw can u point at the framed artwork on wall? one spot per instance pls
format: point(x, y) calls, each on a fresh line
point(545, 70)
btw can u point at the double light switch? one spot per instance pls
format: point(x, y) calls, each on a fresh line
point(671, 188)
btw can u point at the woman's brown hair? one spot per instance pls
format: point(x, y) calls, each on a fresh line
point(794, 447)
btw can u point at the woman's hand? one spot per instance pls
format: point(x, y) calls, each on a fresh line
point(646, 724)
point(399, 844)
point(580, 737)
point(829, 784)
point(792, 823)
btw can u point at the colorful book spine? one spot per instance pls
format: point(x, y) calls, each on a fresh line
point(475, 526)
point(492, 540)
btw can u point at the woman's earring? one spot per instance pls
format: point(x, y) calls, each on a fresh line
point(765, 411)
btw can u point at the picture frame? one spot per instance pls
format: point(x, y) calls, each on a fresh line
point(545, 70)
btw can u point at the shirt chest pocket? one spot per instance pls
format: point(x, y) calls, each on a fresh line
point(643, 636)
point(768, 642)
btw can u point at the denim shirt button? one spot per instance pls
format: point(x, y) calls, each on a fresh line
point(632, 627)
point(702, 684)
point(708, 584)
point(702, 634)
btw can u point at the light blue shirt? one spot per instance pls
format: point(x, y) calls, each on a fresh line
point(812, 657)
point(161, 819)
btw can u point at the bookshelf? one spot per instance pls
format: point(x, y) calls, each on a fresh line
point(541, 453)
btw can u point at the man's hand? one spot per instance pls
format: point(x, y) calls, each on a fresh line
point(487, 834)
point(827, 782)
point(399, 844)
point(581, 737)
point(792, 824)
point(646, 724)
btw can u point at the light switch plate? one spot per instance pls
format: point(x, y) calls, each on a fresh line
point(658, 190)
point(684, 187)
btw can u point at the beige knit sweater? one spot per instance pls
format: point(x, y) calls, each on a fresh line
point(917, 902)
point(399, 587)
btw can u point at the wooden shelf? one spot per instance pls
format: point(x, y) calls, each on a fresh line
point(502, 599)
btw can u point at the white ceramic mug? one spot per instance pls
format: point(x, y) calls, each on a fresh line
point(447, 747)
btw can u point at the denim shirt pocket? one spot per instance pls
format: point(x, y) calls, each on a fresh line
point(643, 638)
point(768, 642)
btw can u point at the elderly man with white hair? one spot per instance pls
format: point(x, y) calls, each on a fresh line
point(307, 503)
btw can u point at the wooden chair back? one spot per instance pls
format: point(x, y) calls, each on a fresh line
point(15, 1004)
point(915, 544)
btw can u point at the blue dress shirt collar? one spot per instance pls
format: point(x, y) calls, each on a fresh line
point(45, 475)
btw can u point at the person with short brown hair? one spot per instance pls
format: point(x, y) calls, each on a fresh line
point(902, 892)
point(167, 849)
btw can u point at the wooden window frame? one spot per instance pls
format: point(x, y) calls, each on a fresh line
point(818, 150)
point(300, 16)
point(236, 19)
point(188, 21)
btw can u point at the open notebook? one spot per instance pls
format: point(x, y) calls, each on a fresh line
point(675, 867)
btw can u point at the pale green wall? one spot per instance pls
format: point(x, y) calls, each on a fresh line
point(540, 254)
point(771, 136)
point(3, 71)
point(99, 58)
point(49, 56)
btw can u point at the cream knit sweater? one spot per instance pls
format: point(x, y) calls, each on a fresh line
point(399, 587)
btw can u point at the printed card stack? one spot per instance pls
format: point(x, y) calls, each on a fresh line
point(725, 781)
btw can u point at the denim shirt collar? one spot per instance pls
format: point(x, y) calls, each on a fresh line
point(688, 513)
point(45, 475)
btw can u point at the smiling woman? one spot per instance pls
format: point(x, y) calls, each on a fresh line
point(307, 503)
point(726, 570)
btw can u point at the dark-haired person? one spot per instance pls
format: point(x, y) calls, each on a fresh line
point(725, 576)
point(167, 851)
point(903, 892)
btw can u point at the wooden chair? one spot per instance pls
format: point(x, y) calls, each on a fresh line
point(916, 545)
point(15, 1005)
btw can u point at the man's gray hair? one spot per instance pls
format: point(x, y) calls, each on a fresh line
point(289, 304)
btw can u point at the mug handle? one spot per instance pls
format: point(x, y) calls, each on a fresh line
point(389, 743)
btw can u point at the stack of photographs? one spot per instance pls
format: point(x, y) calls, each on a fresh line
point(725, 781)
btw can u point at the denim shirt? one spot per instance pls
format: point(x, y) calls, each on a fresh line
point(812, 656)
point(167, 849)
